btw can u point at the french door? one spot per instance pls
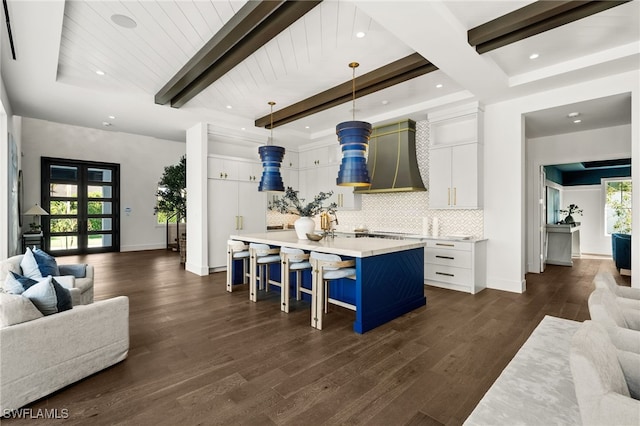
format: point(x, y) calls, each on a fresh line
point(83, 201)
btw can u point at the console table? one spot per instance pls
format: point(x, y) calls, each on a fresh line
point(563, 243)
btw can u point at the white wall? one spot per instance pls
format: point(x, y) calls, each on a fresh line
point(591, 200)
point(504, 207)
point(142, 160)
point(569, 148)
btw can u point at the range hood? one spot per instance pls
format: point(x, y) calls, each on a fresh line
point(392, 162)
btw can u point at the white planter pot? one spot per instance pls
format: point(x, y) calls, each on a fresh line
point(304, 226)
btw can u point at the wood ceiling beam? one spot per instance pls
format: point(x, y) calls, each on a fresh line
point(252, 27)
point(389, 75)
point(533, 19)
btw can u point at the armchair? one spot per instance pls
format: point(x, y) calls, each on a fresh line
point(621, 250)
point(67, 277)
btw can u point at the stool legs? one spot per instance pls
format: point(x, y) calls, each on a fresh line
point(253, 278)
point(317, 295)
point(284, 288)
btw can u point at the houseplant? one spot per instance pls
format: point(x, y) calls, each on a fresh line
point(172, 195)
point(573, 208)
point(291, 203)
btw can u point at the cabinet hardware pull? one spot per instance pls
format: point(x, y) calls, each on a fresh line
point(241, 222)
point(236, 223)
point(221, 174)
point(445, 245)
point(455, 196)
point(225, 175)
point(445, 257)
point(445, 274)
point(448, 196)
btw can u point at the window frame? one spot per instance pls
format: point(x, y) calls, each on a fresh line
point(604, 182)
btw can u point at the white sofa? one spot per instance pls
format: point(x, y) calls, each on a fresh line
point(85, 284)
point(43, 355)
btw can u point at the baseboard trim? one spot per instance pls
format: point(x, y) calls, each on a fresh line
point(197, 269)
point(143, 247)
point(507, 285)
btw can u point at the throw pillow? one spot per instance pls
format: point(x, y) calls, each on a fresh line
point(15, 309)
point(30, 266)
point(17, 284)
point(43, 295)
point(49, 298)
point(46, 263)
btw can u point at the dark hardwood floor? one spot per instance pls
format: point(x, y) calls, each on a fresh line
point(200, 355)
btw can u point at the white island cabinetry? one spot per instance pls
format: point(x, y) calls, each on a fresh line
point(456, 265)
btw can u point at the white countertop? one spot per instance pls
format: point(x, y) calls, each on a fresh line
point(353, 247)
point(417, 236)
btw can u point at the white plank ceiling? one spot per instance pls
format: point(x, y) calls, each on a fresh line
point(310, 56)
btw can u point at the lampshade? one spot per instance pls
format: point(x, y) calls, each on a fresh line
point(354, 141)
point(271, 157)
point(37, 211)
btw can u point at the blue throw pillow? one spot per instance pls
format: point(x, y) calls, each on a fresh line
point(59, 301)
point(17, 284)
point(46, 263)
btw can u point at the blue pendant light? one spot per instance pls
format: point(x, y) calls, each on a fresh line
point(354, 141)
point(271, 157)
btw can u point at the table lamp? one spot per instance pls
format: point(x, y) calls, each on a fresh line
point(36, 211)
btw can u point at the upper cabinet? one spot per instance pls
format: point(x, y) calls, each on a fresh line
point(456, 158)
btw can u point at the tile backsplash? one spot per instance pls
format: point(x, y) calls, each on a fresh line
point(404, 211)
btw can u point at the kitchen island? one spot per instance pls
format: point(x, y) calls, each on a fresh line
point(389, 273)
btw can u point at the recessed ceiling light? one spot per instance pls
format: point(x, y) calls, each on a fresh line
point(99, 72)
point(106, 124)
point(385, 102)
point(112, 117)
point(577, 121)
point(124, 21)
point(229, 107)
point(242, 128)
point(360, 34)
point(306, 127)
point(534, 56)
point(439, 86)
point(573, 114)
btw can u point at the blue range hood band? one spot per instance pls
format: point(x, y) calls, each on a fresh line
point(271, 157)
point(354, 139)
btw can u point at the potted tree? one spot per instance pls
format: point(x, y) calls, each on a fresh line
point(172, 196)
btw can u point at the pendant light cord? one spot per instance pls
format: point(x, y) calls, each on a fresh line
point(353, 66)
point(271, 127)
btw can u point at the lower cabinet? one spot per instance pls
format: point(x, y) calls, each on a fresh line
point(456, 265)
point(235, 207)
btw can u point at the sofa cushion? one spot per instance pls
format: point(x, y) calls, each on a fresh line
point(15, 309)
point(29, 265)
point(49, 296)
point(46, 263)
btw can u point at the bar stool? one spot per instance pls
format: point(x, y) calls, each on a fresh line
point(261, 256)
point(292, 260)
point(327, 267)
point(237, 250)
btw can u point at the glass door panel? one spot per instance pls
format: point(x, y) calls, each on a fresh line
point(82, 200)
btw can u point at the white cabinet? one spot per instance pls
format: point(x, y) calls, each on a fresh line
point(249, 171)
point(222, 168)
point(456, 265)
point(456, 158)
point(454, 178)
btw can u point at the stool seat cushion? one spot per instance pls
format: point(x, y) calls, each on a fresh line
point(240, 254)
point(296, 266)
point(269, 259)
point(327, 258)
point(340, 273)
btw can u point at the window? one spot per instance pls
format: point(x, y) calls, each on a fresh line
point(161, 217)
point(617, 209)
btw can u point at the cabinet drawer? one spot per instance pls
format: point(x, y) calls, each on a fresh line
point(448, 244)
point(457, 258)
point(447, 274)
